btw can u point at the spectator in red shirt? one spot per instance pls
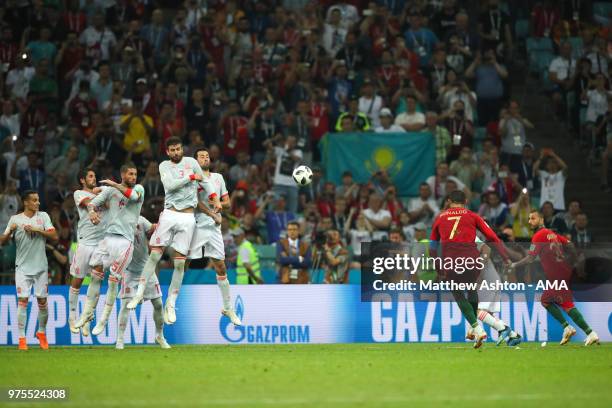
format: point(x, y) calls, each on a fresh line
point(82, 107)
point(235, 132)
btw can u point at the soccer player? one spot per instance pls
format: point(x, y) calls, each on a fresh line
point(455, 230)
point(551, 247)
point(208, 236)
point(89, 236)
point(180, 176)
point(489, 301)
point(31, 228)
point(115, 251)
point(130, 284)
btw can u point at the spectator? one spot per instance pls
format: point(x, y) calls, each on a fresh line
point(326, 200)
point(392, 203)
point(581, 235)
point(293, 256)
point(278, 219)
point(339, 216)
point(287, 157)
point(494, 211)
point(386, 123)
point(235, 132)
point(597, 104)
point(137, 128)
point(370, 103)
point(574, 207)
point(553, 221)
point(247, 265)
point(357, 230)
point(42, 48)
point(561, 73)
point(360, 121)
point(67, 165)
point(489, 78)
point(98, 40)
point(440, 134)
point(379, 217)
point(18, 79)
point(102, 87)
point(513, 135)
point(552, 179)
point(396, 236)
point(424, 207)
point(437, 183)
point(494, 29)
point(10, 203)
point(240, 170)
point(420, 39)
point(420, 249)
point(32, 178)
point(456, 90)
point(461, 129)
point(465, 167)
point(333, 33)
point(506, 185)
point(603, 138)
point(525, 169)
point(335, 258)
point(411, 120)
point(520, 210)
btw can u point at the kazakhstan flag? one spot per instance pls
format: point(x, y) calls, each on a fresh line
point(408, 158)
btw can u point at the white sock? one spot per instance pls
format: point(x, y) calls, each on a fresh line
point(73, 301)
point(488, 319)
point(158, 316)
point(148, 271)
point(224, 287)
point(124, 313)
point(177, 280)
point(93, 291)
point(43, 316)
point(22, 316)
point(111, 295)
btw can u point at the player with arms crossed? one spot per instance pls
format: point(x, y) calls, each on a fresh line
point(207, 237)
point(115, 251)
point(89, 236)
point(31, 228)
point(550, 247)
point(130, 284)
point(455, 231)
point(180, 176)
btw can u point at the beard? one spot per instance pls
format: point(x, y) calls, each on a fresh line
point(177, 158)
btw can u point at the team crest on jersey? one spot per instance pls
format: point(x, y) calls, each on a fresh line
point(39, 221)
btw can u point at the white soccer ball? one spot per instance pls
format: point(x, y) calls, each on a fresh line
point(302, 175)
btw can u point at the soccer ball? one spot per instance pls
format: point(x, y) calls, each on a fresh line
point(302, 175)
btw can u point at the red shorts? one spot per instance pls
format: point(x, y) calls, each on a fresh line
point(561, 297)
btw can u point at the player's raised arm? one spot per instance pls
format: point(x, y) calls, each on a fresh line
point(171, 183)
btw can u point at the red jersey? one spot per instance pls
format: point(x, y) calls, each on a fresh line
point(455, 229)
point(548, 245)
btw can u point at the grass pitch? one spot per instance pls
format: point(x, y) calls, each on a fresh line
point(347, 375)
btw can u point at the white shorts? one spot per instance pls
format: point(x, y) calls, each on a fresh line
point(490, 299)
point(174, 229)
point(24, 284)
point(114, 252)
point(129, 286)
point(210, 240)
point(79, 268)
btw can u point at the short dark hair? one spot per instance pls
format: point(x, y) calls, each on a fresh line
point(536, 211)
point(126, 167)
point(297, 224)
point(26, 194)
point(84, 172)
point(457, 197)
point(173, 141)
point(200, 149)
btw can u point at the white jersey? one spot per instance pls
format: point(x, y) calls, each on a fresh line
point(87, 232)
point(123, 212)
point(141, 245)
point(31, 258)
point(217, 183)
point(180, 188)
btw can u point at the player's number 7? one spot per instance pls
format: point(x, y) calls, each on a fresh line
point(455, 225)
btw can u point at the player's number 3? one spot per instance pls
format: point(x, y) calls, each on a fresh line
point(455, 225)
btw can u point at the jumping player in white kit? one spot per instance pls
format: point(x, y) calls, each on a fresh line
point(207, 237)
point(129, 286)
point(89, 236)
point(181, 177)
point(124, 202)
point(31, 228)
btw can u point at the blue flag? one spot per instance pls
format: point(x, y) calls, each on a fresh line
point(408, 158)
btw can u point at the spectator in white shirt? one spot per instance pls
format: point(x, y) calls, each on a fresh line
point(561, 73)
point(18, 79)
point(599, 60)
point(386, 123)
point(437, 182)
point(370, 103)
point(377, 216)
point(333, 33)
point(597, 100)
point(552, 179)
point(411, 120)
point(424, 207)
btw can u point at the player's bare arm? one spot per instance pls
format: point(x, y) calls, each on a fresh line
point(216, 216)
point(94, 217)
point(226, 202)
point(525, 261)
point(5, 237)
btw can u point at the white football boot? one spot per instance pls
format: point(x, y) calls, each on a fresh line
point(591, 339)
point(232, 316)
point(169, 314)
point(85, 329)
point(136, 300)
point(73, 328)
point(161, 340)
point(480, 336)
point(568, 333)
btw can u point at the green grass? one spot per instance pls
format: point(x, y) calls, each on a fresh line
point(346, 375)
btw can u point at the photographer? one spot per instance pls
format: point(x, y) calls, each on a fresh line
point(460, 129)
point(335, 258)
point(489, 78)
point(293, 256)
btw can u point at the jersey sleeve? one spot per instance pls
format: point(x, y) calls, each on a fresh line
point(100, 199)
point(208, 189)
point(79, 198)
point(536, 244)
point(169, 181)
point(146, 224)
point(223, 187)
point(8, 226)
point(47, 224)
point(137, 193)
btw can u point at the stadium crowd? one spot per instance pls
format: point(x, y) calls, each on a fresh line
point(259, 83)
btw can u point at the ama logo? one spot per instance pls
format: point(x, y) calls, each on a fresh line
point(261, 333)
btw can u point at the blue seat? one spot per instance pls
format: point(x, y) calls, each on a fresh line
point(577, 46)
point(521, 28)
point(602, 9)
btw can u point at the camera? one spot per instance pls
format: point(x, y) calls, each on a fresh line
point(321, 238)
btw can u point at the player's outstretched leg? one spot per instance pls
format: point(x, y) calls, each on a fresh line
point(43, 317)
point(505, 332)
point(592, 337)
point(124, 313)
point(111, 295)
point(468, 312)
point(174, 289)
point(73, 302)
point(147, 272)
point(22, 319)
point(224, 287)
point(93, 294)
point(159, 323)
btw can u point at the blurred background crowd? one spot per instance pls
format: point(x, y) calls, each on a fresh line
point(259, 83)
